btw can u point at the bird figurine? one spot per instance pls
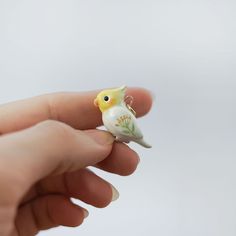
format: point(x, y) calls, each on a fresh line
point(118, 116)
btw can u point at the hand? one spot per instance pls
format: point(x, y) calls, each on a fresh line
point(47, 143)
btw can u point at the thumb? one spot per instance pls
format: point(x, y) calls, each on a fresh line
point(50, 148)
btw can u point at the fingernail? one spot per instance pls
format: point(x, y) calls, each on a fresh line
point(86, 213)
point(115, 193)
point(138, 159)
point(101, 137)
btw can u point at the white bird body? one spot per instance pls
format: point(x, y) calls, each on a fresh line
point(121, 122)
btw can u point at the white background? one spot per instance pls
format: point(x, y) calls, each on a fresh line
point(185, 53)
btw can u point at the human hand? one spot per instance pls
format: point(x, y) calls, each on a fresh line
point(46, 144)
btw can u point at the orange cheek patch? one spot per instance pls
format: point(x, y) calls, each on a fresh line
point(111, 102)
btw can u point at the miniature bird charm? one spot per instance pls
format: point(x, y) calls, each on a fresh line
point(118, 117)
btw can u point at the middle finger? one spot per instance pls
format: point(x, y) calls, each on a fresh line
point(122, 161)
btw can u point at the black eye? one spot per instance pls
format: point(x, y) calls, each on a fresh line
point(106, 98)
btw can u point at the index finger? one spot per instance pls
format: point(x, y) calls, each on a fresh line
point(74, 109)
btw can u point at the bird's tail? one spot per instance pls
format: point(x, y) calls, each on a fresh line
point(143, 143)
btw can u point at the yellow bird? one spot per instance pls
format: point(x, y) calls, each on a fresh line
point(118, 117)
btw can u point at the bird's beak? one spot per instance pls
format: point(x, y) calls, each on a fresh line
point(95, 102)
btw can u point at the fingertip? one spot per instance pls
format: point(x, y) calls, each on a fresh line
point(101, 137)
point(131, 164)
point(143, 100)
point(103, 141)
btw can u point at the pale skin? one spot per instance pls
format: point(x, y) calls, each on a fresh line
point(47, 144)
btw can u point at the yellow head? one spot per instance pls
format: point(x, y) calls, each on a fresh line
point(109, 98)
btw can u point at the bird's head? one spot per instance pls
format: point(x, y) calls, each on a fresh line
point(109, 98)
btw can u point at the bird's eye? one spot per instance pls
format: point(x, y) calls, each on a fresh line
point(106, 98)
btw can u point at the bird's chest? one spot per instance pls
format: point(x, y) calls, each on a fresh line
point(112, 116)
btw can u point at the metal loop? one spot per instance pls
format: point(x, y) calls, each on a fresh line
point(129, 100)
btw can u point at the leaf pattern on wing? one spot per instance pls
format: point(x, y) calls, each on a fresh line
point(126, 124)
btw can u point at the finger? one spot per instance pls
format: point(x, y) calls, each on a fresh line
point(83, 185)
point(50, 148)
point(48, 212)
point(122, 160)
point(75, 109)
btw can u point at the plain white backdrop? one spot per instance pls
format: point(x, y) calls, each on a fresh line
point(185, 53)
